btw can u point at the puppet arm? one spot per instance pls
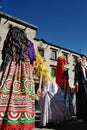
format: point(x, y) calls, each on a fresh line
point(39, 88)
point(65, 83)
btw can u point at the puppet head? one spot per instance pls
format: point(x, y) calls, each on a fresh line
point(61, 62)
point(41, 68)
point(14, 46)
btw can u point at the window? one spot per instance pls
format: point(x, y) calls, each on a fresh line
point(74, 60)
point(53, 55)
point(53, 72)
point(66, 56)
point(41, 51)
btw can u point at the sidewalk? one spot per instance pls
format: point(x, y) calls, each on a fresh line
point(73, 124)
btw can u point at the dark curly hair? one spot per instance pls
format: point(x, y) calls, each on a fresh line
point(15, 45)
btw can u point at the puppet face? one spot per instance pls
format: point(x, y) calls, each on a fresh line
point(61, 60)
point(86, 65)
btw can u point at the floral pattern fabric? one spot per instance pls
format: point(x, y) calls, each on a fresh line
point(17, 96)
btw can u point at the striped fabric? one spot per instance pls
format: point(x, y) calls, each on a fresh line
point(17, 96)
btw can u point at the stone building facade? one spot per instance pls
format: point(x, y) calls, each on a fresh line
point(48, 51)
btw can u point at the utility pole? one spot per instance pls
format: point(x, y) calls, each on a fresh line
point(81, 50)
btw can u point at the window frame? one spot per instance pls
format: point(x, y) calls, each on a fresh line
point(53, 54)
point(41, 50)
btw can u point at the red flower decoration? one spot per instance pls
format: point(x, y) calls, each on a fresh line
point(86, 70)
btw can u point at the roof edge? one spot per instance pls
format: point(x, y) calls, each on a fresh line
point(41, 39)
point(9, 17)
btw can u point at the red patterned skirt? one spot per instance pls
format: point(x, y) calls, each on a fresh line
point(17, 96)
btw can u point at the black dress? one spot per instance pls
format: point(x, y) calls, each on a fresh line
point(81, 95)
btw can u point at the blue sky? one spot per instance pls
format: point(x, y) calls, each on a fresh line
point(60, 22)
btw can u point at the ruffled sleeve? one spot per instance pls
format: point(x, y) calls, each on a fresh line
point(31, 51)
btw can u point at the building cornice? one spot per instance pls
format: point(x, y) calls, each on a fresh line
point(9, 17)
point(71, 51)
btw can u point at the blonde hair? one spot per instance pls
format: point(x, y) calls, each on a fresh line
point(41, 68)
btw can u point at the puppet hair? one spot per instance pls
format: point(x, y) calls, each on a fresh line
point(61, 61)
point(14, 46)
point(42, 68)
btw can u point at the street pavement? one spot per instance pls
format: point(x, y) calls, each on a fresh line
point(72, 124)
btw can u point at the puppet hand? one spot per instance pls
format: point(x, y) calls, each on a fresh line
point(76, 86)
point(73, 90)
point(39, 93)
